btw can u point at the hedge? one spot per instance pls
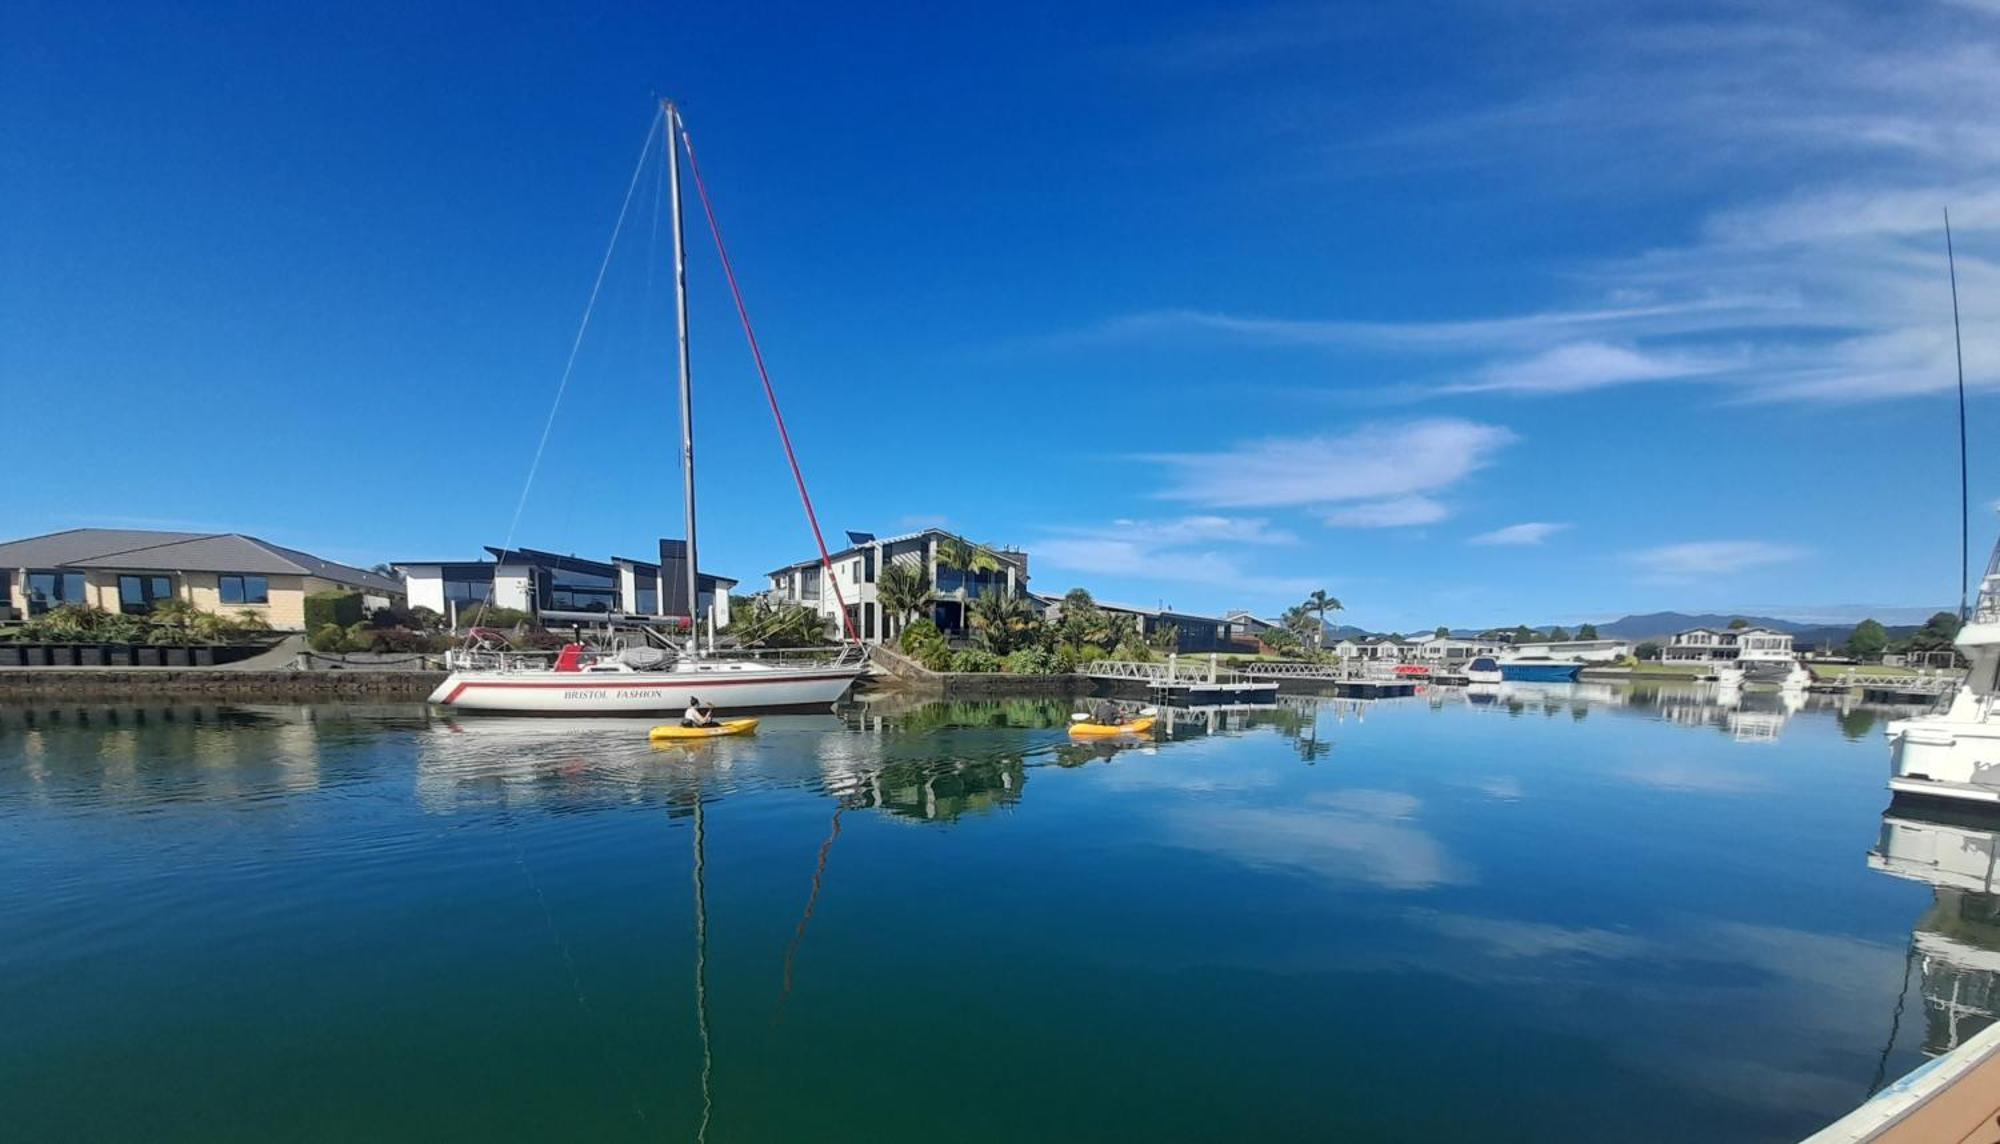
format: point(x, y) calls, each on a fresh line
point(341, 609)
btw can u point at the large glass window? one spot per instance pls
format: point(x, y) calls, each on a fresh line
point(138, 594)
point(581, 592)
point(465, 593)
point(648, 601)
point(244, 589)
point(809, 584)
point(52, 589)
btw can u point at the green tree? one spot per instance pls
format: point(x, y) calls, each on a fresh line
point(1738, 624)
point(1558, 633)
point(1523, 634)
point(904, 590)
point(1080, 621)
point(1319, 604)
point(1937, 634)
point(1442, 632)
point(1868, 640)
point(1647, 649)
point(1005, 622)
point(1587, 632)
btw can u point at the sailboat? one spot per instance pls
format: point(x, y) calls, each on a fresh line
point(649, 680)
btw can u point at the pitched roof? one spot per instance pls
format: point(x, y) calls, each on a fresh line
point(181, 552)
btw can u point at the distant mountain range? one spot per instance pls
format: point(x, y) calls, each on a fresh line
point(1660, 625)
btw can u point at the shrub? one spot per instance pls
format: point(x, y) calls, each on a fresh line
point(972, 659)
point(360, 636)
point(489, 616)
point(341, 608)
point(425, 620)
point(920, 634)
point(404, 641)
point(1039, 661)
point(328, 638)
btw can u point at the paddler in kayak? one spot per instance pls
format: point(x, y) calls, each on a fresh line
point(1107, 713)
point(698, 714)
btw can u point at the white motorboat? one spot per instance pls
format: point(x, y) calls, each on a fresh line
point(1955, 754)
point(650, 680)
point(1482, 669)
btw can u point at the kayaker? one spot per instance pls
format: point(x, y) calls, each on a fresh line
point(1107, 713)
point(698, 714)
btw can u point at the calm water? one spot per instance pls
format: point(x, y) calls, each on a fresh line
point(1568, 913)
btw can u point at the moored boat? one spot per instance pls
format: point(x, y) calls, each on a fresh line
point(1483, 669)
point(1955, 754)
point(645, 681)
point(1538, 668)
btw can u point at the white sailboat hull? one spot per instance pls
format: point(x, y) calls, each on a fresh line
point(724, 686)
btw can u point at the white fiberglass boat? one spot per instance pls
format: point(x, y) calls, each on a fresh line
point(1482, 669)
point(1956, 754)
point(612, 685)
point(649, 680)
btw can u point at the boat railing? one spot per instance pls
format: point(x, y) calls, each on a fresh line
point(509, 659)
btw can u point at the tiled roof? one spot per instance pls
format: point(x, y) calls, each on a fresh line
point(113, 548)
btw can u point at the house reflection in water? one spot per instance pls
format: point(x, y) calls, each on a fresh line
point(1956, 942)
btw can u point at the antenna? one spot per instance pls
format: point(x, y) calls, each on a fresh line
point(1964, 493)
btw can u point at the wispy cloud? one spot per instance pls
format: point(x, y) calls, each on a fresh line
point(1193, 550)
point(1695, 559)
point(1825, 140)
point(1531, 532)
point(1374, 475)
point(1396, 513)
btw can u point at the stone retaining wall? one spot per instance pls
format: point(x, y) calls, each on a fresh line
point(251, 686)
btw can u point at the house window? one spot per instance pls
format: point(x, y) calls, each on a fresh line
point(648, 601)
point(244, 589)
point(138, 594)
point(52, 590)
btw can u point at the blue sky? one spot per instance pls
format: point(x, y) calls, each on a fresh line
point(1467, 315)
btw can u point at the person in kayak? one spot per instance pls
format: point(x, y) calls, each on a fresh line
point(698, 714)
point(1107, 713)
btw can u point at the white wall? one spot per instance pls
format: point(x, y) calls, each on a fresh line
point(424, 585)
point(510, 587)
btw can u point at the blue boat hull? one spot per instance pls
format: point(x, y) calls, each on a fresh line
point(1539, 672)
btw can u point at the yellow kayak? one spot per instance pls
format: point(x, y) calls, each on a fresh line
point(1137, 726)
point(669, 731)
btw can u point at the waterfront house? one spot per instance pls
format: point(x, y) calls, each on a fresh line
point(130, 570)
point(556, 588)
point(857, 567)
point(1711, 645)
point(1192, 633)
point(1449, 650)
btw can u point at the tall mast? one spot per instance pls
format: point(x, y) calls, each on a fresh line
point(673, 122)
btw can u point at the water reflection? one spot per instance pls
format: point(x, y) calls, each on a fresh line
point(1955, 945)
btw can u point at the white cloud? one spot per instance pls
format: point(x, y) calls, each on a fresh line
point(1502, 937)
point(1531, 532)
point(1175, 551)
point(1394, 513)
point(1370, 463)
point(1827, 137)
point(1579, 366)
point(1709, 557)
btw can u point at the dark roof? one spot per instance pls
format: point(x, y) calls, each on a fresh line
point(117, 548)
point(1012, 556)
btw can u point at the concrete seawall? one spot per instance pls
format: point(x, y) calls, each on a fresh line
point(251, 686)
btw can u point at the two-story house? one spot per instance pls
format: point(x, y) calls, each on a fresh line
point(858, 567)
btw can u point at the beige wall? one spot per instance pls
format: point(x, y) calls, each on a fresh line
point(286, 609)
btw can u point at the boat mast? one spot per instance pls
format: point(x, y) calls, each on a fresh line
point(673, 123)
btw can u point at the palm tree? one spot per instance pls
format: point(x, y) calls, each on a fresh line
point(1319, 603)
point(904, 591)
point(1005, 621)
point(956, 555)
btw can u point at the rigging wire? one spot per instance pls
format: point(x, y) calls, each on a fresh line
point(770, 393)
point(1964, 489)
point(575, 347)
point(1895, 1020)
